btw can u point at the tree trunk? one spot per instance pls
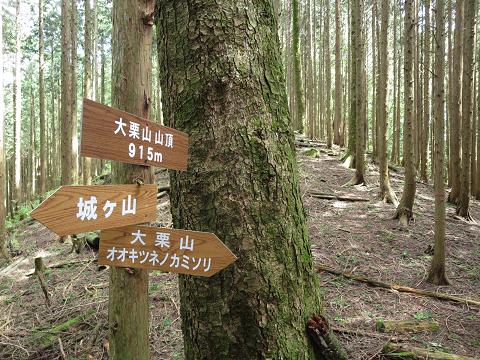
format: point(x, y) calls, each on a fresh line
point(450, 92)
point(396, 63)
point(328, 77)
point(405, 207)
point(477, 190)
point(4, 256)
point(374, 111)
point(17, 193)
point(299, 110)
point(241, 163)
point(41, 84)
point(456, 104)
point(66, 95)
point(131, 91)
point(463, 207)
point(426, 96)
point(360, 91)
point(436, 274)
point(386, 192)
point(87, 81)
point(338, 122)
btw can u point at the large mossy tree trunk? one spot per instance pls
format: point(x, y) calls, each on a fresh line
point(221, 73)
point(131, 91)
point(405, 207)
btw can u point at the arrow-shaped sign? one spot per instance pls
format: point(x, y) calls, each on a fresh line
point(77, 209)
point(112, 134)
point(179, 251)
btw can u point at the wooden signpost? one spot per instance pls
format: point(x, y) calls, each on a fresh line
point(179, 251)
point(112, 134)
point(76, 209)
point(109, 133)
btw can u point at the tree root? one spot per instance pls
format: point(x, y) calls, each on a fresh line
point(400, 288)
point(325, 344)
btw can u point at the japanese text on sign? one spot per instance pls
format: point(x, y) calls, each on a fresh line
point(172, 250)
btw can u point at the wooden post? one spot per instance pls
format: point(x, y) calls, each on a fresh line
point(131, 89)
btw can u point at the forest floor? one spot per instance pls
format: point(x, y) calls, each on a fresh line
point(356, 237)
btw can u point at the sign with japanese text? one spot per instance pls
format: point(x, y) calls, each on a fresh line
point(112, 134)
point(180, 251)
point(77, 209)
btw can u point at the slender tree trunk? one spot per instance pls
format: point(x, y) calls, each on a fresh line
point(17, 193)
point(349, 159)
point(405, 207)
point(456, 119)
point(477, 190)
point(309, 99)
point(436, 273)
point(41, 84)
point(450, 92)
point(338, 122)
point(73, 99)
point(298, 113)
point(360, 91)
point(463, 207)
point(250, 310)
point(53, 128)
point(426, 96)
point(31, 156)
point(87, 80)
point(396, 63)
point(374, 110)
point(386, 192)
point(131, 91)
point(66, 94)
point(328, 77)
point(4, 256)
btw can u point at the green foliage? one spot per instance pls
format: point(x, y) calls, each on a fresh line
point(423, 315)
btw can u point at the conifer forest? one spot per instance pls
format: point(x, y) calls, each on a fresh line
point(268, 179)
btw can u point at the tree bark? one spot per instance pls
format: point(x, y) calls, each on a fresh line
point(66, 95)
point(405, 207)
point(456, 104)
point(128, 311)
point(234, 108)
point(338, 122)
point(4, 256)
point(386, 192)
point(328, 77)
point(87, 81)
point(17, 193)
point(463, 207)
point(299, 107)
point(436, 274)
point(360, 91)
point(41, 90)
point(426, 95)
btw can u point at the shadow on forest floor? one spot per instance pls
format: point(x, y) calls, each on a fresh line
point(357, 237)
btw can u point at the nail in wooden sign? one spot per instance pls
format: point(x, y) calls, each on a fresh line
point(112, 134)
point(77, 209)
point(179, 251)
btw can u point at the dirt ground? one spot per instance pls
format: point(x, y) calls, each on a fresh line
point(358, 237)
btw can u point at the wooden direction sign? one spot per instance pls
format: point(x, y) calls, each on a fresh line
point(112, 134)
point(179, 251)
point(76, 209)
